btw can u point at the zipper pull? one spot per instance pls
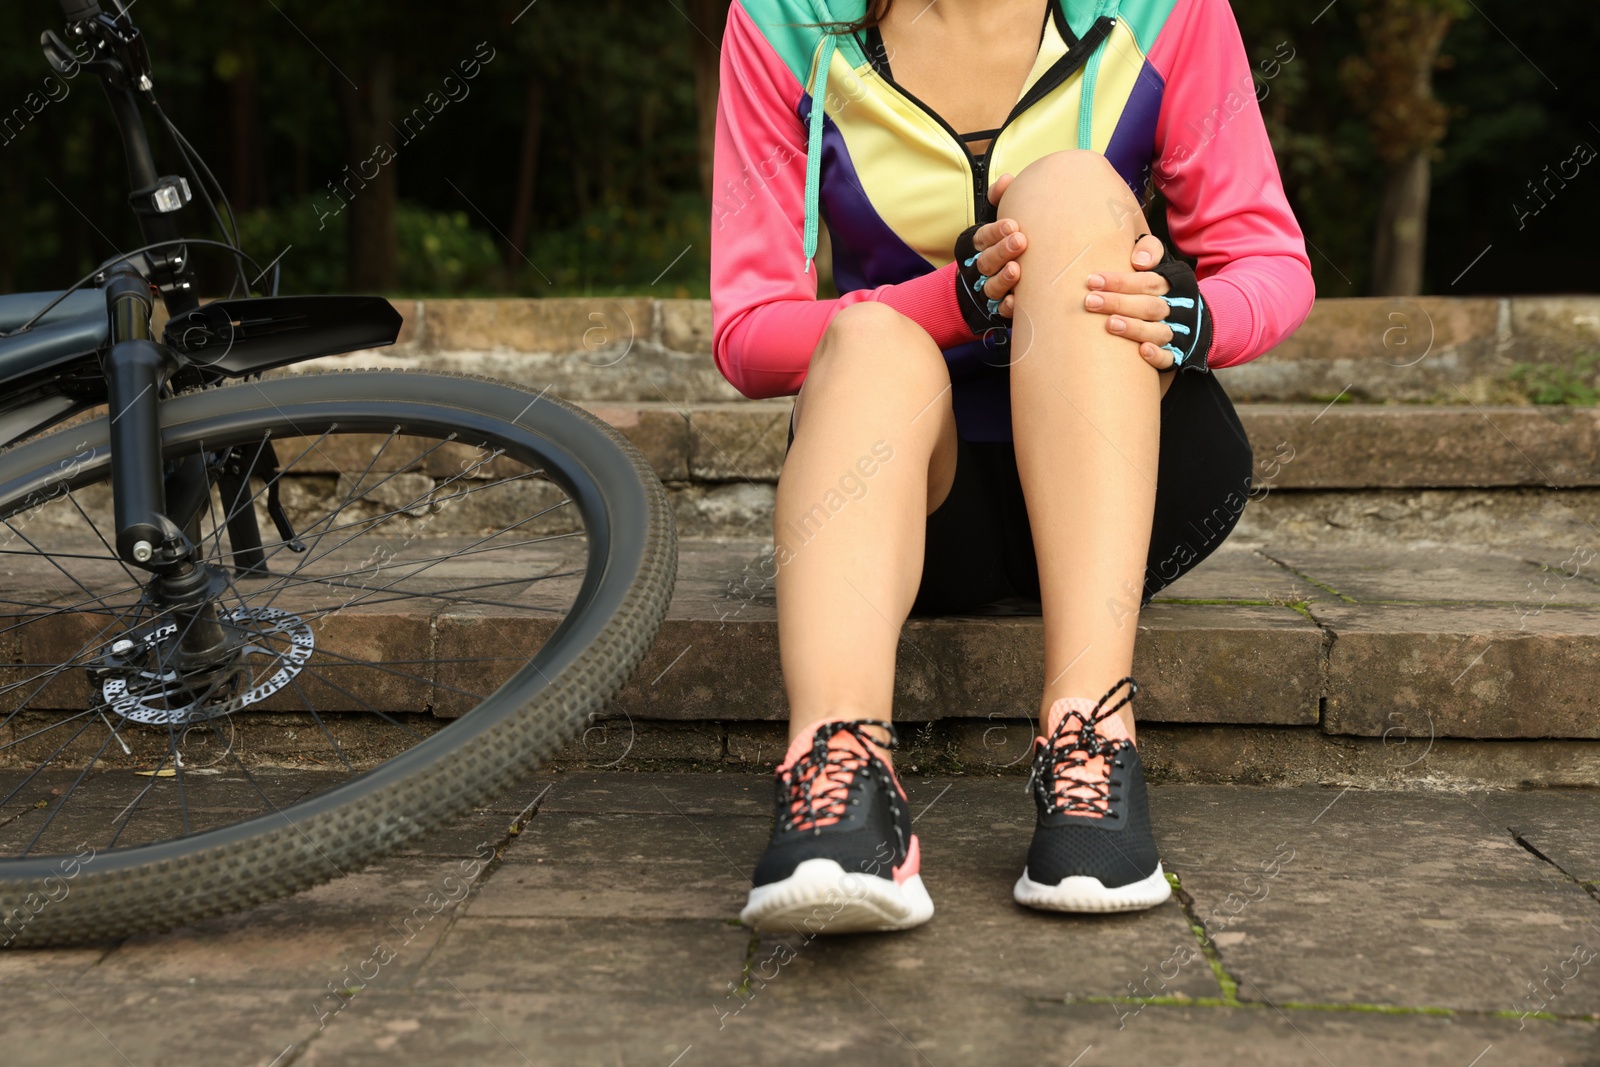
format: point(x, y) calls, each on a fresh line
point(980, 191)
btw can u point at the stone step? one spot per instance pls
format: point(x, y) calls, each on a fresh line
point(1297, 446)
point(1471, 473)
point(1421, 643)
point(1433, 349)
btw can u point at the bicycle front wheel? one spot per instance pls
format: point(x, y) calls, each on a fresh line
point(473, 571)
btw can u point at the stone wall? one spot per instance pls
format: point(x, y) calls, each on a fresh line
point(1427, 349)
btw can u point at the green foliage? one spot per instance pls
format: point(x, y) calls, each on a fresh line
point(623, 248)
point(313, 255)
point(1560, 383)
point(263, 91)
point(440, 251)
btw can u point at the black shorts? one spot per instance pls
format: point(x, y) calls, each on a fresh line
point(979, 556)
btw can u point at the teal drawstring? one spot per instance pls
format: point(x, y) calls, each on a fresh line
point(819, 93)
point(1091, 70)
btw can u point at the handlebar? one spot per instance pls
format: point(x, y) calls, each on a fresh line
point(78, 10)
point(123, 65)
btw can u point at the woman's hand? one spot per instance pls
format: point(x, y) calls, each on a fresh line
point(999, 244)
point(1133, 302)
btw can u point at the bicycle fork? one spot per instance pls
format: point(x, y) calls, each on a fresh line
point(146, 536)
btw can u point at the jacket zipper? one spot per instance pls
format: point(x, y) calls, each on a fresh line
point(1077, 52)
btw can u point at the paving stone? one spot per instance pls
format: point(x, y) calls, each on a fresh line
point(1435, 574)
point(1461, 671)
point(1203, 663)
point(1470, 919)
point(1335, 831)
point(1554, 328)
point(23, 968)
point(1374, 446)
point(611, 740)
point(1388, 670)
point(1464, 944)
point(1508, 519)
point(629, 960)
point(1227, 664)
point(686, 325)
point(83, 817)
point(628, 792)
point(337, 453)
point(976, 1027)
point(1562, 824)
point(472, 834)
point(163, 1025)
point(602, 328)
point(478, 651)
point(644, 866)
point(953, 1028)
point(732, 509)
point(371, 633)
point(1239, 572)
point(659, 431)
point(374, 926)
point(739, 441)
point(1399, 899)
point(1411, 348)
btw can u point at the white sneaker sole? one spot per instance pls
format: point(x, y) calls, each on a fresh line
point(1083, 893)
point(820, 897)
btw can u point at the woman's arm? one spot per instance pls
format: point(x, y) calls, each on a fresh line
point(766, 317)
point(1225, 200)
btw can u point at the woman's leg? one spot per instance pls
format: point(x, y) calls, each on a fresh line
point(1085, 413)
point(874, 451)
point(873, 454)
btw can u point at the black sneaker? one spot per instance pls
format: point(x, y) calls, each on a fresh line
point(1092, 849)
point(843, 858)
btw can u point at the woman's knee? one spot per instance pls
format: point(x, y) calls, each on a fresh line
point(869, 341)
point(1075, 190)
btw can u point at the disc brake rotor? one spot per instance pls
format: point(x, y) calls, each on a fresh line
point(162, 695)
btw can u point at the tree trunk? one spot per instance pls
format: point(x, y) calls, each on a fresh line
point(1402, 237)
point(245, 113)
point(709, 17)
point(368, 183)
point(1393, 81)
point(527, 173)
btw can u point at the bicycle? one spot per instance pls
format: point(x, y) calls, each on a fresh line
point(461, 573)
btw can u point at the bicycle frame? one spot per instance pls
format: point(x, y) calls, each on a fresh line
point(86, 351)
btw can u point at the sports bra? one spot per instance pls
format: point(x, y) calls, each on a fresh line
point(878, 55)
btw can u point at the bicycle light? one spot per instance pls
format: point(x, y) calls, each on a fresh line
point(170, 195)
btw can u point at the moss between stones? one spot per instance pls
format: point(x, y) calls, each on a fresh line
point(1208, 948)
point(1227, 603)
point(1181, 1001)
point(1230, 986)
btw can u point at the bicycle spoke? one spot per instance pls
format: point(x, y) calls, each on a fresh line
point(36, 733)
point(397, 520)
point(312, 711)
point(67, 794)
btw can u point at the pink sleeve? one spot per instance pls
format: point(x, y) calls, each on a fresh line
point(766, 317)
point(1225, 200)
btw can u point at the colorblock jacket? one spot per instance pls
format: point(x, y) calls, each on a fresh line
point(1162, 88)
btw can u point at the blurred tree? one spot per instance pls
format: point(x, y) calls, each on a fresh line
point(527, 173)
point(372, 179)
point(1393, 83)
point(582, 153)
point(709, 18)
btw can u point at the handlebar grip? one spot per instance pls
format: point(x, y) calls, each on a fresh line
point(78, 10)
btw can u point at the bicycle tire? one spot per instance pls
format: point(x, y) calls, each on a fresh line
point(581, 665)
